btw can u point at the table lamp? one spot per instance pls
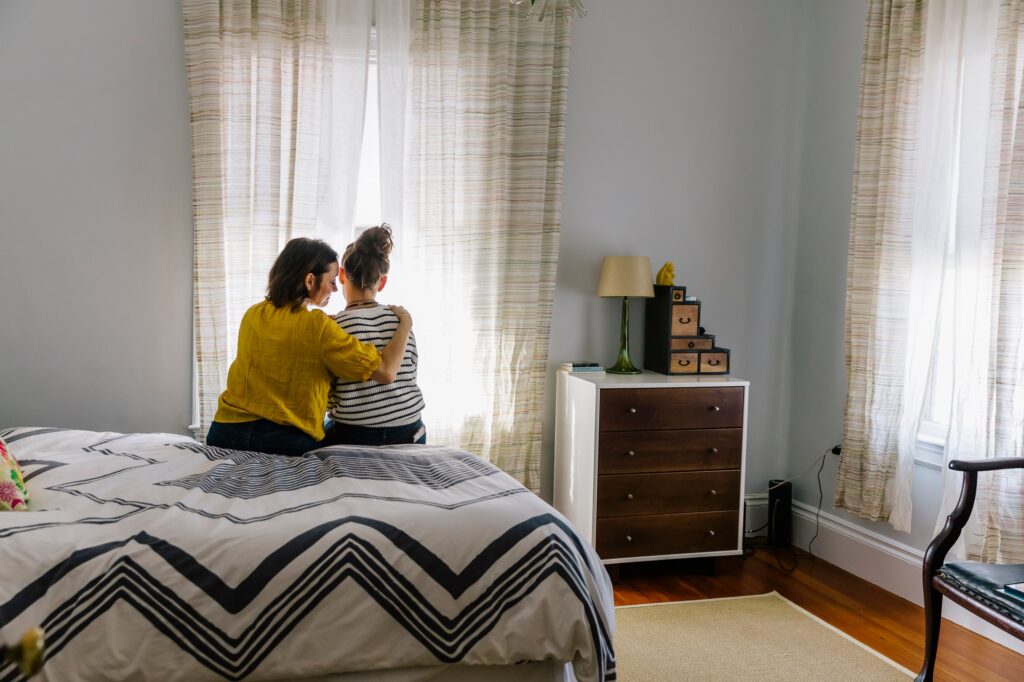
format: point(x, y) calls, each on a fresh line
point(625, 276)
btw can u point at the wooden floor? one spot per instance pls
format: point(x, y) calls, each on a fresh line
point(888, 624)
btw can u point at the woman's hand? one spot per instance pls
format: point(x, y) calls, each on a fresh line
point(402, 314)
point(394, 352)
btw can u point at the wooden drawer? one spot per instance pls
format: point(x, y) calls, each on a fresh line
point(667, 534)
point(632, 409)
point(685, 319)
point(702, 342)
point(667, 493)
point(624, 452)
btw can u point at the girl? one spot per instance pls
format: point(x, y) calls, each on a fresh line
point(363, 412)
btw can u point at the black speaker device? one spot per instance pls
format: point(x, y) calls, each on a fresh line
point(780, 512)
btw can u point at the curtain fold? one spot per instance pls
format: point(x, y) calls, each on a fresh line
point(878, 289)
point(483, 177)
point(255, 78)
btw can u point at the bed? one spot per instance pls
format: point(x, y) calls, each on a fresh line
point(153, 557)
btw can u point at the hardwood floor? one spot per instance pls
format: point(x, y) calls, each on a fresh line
point(888, 624)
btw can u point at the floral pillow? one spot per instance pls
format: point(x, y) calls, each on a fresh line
point(13, 493)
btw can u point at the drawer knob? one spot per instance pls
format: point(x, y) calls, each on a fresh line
point(715, 408)
point(629, 496)
point(685, 320)
point(690, 344)
point(713, 451)
point(629, 538)
point(683, 363)
point(714, 492)
point(631, 453)
point(632, 410)
point(711, 533)
point(714, 363)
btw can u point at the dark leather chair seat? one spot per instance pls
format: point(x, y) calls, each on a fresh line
point(984, 583)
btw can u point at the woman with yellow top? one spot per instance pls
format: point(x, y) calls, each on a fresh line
point(288, 355)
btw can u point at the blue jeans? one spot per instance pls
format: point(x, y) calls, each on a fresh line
point(346, 434)
point(261, 435)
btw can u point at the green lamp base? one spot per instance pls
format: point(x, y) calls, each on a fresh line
point(623, 365)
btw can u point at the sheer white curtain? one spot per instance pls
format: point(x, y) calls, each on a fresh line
point(987, 415)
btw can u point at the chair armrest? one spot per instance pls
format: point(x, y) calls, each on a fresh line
point(987, 464)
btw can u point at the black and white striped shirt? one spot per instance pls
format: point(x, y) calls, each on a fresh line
point(367, 403)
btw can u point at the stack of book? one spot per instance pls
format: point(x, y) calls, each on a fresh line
point(583, 367)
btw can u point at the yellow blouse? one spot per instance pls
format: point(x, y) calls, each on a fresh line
point(284, 367)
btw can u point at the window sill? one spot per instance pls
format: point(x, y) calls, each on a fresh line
point(930, 452)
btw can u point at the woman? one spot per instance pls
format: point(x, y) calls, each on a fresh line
point(288, 355)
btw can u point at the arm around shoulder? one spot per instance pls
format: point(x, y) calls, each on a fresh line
point(394, 352)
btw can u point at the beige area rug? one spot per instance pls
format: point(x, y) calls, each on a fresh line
point(763, 637)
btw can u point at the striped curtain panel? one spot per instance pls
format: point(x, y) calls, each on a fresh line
point(255, 80)
point(488, 89)
point(878, 293)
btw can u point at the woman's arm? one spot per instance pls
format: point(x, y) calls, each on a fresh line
point(393, 353)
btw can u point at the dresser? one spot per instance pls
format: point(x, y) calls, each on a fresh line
point(651, 466)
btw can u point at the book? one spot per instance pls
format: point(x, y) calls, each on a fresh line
point(582, 366)
point(1015, 589)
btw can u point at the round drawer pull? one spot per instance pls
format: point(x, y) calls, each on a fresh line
point(715, 408)
point(683, 363)
point(631, 453)
point(711, 533)
point(714, 363)
point(714, 492)
point(713, 451)
point(629, 538)
point(687, 320)
point(690, 344)
point(678, 296)
point(632, 410)
point(629, 496)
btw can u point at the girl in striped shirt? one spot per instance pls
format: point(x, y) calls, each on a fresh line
point(366, 412)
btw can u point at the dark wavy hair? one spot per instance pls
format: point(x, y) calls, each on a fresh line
point(367, 259)
point(286, 285)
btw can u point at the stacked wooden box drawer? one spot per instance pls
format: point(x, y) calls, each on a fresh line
point(669, 471)
point(674, 341)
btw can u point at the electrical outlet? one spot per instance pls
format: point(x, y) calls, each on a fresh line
point(837, 449)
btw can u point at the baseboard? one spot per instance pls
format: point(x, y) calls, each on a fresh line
point(890, 564)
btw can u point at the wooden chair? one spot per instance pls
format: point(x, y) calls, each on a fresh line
point(974, 586)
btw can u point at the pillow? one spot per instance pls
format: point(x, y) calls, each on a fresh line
point(13, 493)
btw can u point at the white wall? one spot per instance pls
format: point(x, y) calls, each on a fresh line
point(682, 144)
point(95, 216)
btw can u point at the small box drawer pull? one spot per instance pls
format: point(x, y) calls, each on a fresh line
point(678, 296)
point(683, 363)
point(629, 496)
point(713, 451)
point(629, 538)
point(687, 320)
point(711, 533)
point(690, 344)
point(632, 410)
point(715, 408)
point(714, 363)
point(631, 453)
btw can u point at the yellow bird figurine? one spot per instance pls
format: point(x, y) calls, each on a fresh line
point(667, 274)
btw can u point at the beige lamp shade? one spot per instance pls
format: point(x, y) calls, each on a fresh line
point(626, 276)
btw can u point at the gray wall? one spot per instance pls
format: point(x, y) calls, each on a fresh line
point(95, 216)
point(683, 145)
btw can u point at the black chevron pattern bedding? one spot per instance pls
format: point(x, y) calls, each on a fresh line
point(152, 557)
